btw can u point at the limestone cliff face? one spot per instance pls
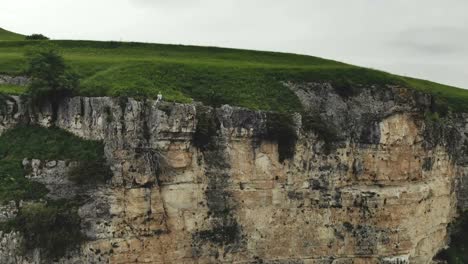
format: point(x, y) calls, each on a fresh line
point(383, 192)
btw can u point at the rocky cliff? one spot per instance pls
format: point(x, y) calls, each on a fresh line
point(362, 178)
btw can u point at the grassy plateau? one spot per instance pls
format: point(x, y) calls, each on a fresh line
point(211, 75)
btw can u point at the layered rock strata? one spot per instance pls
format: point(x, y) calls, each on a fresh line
point(383, 191)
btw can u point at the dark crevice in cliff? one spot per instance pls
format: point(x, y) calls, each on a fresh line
point(280, 128)
point(457, 251)
point(123, 101)
point(224, 233)
point(207, 128)
point(325, 131)
point(346, 88)
point(442, 132)
point(5, 101)
point(146, 131)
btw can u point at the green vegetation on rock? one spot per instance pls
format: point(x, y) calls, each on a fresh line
point(52, 226)
point(13, 184)
point(51, 78)
point(447, 96)
point(312, 122)
point(457, 252)
point(90, 172)
point(38, 143)
point(12, 89)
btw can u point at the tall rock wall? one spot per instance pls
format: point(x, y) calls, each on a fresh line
point(383, 192)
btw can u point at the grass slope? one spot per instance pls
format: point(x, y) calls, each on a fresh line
point(212, 75)
point(8, 35)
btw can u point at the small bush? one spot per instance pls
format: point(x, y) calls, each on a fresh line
point(439, 106)
point(281, 129)
point(313, 123)
point(36, 37)
point(431, 117)
point(53, 228)
point(90, 172)
point(14, 186)
point(344, 87)
point(221, 235)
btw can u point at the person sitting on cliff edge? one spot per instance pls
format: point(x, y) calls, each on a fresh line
point(159, 97)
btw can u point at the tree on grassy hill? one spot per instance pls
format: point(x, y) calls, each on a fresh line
point(36, 37)
point(51, 79)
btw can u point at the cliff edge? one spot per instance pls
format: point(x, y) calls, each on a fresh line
point(370, 177)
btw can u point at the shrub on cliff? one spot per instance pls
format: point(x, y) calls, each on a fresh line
point(51, 78)
point(312, 122)
point(90, 172)
point(457, 252)
point(54, 228)
point(36, 37)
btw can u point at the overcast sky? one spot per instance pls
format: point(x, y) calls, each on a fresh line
point(420, 38)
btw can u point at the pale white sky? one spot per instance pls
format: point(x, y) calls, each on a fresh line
point(420, 38)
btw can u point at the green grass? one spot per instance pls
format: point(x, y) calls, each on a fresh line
point(7, 35)
point(455, 97)
point(39, 143)
point(12, 89)
point(211, 75)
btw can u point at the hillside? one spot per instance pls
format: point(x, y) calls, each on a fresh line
point(8, 35)
point(212, 75)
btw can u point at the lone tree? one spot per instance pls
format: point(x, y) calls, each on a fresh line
point(51, 78)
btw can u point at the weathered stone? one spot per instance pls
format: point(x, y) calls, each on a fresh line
point(14, 80)
point(383, 194)
point(54, 175)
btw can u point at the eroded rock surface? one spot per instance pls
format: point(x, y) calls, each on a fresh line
point(383, 193)
point(14, 80)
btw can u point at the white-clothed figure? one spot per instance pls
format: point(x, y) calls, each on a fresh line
point(159, 98)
